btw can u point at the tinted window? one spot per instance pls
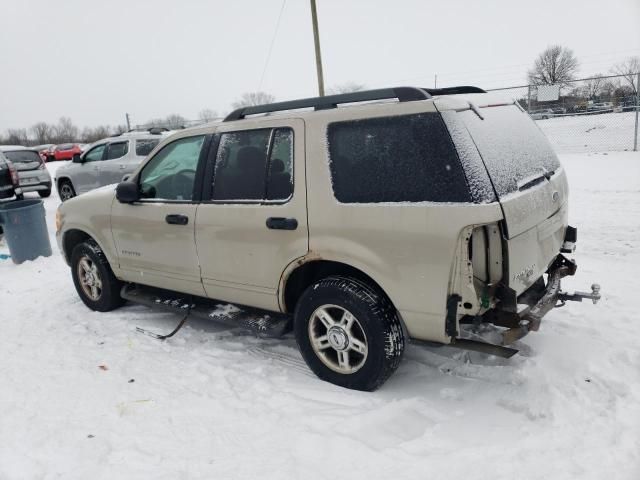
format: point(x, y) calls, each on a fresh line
point(254, 165)
point(144, 147)
point(280, 176)
point(170, 174)
point(65, 146)
point(241, 165)
point(512, 147)
point(406, 158)
point(117, 150)
point(94, 154)
point(23, 156)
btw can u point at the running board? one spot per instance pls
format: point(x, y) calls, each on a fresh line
point(260, 322)
point(473, 345)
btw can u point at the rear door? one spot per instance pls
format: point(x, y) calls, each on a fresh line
point(253, 220)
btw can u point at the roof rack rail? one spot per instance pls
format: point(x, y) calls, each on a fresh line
point(402, 94)
point(151, 130)
point(453, 90)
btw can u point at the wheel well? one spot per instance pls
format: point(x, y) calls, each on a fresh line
point(310, 272)
point(60, 181)
point(71, 239)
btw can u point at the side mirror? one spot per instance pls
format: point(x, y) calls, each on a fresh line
point(127, 192)
point(76, 158)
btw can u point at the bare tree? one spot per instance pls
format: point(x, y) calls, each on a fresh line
point(42, 132)
point(557, 65)
point(592, 87)
point(207, 115)
point(629, 71)
point(253, 98)
point(17, 136)
point(65, 131)
point(345, 88)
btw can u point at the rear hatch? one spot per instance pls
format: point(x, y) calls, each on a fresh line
point(529, 183)
point(24, 160)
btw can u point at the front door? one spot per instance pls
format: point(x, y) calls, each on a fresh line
point(86, 174)
point(252, 222)
point(155, 236)
point(113, 166)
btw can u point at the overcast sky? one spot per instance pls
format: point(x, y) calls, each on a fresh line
point(95, 60)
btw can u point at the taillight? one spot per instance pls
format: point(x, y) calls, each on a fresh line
point(14, 174)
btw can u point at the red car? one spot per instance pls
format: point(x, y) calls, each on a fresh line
point(65, 151)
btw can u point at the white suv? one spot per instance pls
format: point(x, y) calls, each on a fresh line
point(106, 161)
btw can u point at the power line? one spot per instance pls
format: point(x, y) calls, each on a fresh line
point(273, 40)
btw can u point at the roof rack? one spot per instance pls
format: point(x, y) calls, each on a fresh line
point(151, 130)
point(402, 94)
point(454, 90)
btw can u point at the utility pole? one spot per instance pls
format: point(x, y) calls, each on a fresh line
point(128, 122)
point(435, 81)
point(316, 41)
point(637, 102)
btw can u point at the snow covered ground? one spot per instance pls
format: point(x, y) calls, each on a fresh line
point(83, 396)
point(590, 133)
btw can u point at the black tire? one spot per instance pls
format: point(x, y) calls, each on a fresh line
point(66, 190)
point(108, 297)
point(44, 193)
point(377, 321)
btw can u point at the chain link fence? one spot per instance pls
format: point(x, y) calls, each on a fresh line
point(594, 114)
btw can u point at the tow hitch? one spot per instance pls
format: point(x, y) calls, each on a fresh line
point(594, 296)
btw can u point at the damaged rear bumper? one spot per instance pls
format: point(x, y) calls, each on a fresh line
point(539, 300)
point(524, 314)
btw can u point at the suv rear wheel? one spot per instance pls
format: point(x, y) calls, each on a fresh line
point(348, 333)
point(95, 283)
point(66, 190)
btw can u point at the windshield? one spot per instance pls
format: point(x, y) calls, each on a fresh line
point(513, 148)
point(23, 156)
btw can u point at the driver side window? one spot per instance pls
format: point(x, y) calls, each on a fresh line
point(170, 174)
point(94, 154)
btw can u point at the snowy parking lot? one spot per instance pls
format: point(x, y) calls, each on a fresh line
point(83, 396)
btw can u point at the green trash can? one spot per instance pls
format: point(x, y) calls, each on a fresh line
point(25, 229)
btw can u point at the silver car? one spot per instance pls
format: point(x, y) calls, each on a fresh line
point(32, 172)
point(105, 162)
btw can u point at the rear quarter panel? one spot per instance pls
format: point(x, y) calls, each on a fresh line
point(407, 248)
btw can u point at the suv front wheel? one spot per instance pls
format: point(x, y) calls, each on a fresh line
point(348, 333)
point(66, 190)
point(95, 283)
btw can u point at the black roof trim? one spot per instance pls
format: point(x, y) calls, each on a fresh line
point(453, 90)
point(402, 94)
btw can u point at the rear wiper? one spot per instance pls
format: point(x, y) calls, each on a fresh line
point(534, 180)
point(475, 110)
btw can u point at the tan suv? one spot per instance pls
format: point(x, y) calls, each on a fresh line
point(363, 220)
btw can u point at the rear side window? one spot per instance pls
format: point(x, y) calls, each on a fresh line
point(117, 150)
point(144, 147)
point(254, 165)
point(408, 158)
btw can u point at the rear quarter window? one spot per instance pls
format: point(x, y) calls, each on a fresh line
point(144, 147)
point(408, 158)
